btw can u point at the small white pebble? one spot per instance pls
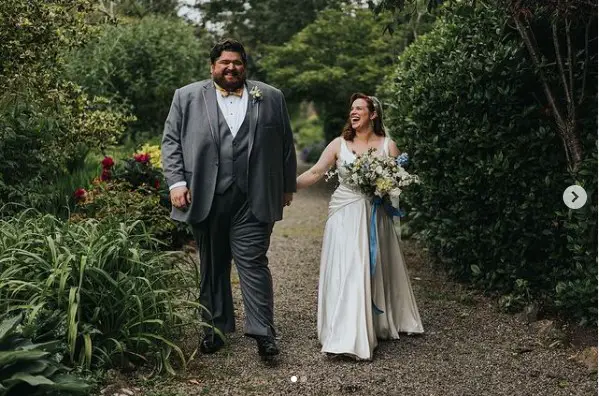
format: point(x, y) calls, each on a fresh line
point(294, 379)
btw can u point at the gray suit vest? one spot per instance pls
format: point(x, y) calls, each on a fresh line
point(233, 154)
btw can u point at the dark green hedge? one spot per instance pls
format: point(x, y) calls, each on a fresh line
point(465, 104)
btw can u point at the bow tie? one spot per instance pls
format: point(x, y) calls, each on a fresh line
point(225, 93)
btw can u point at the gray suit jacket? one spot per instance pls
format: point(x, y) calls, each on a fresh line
point(190, 150)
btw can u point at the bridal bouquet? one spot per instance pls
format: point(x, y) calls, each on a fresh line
point(378, 176)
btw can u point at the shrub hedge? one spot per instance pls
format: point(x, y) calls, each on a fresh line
point(464, 103)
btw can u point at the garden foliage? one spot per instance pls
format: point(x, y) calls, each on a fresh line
point(464, 102)
point(101, 287)
point(47, 125)
point(33, 368)
point(142, 63)
point(133, 189)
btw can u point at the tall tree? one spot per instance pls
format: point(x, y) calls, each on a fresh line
point(133, 62)
point(572, 28)
point(111, 9)
point(258, 23)
point(342, 52)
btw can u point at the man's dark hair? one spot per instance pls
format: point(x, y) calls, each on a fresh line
point(231, 45)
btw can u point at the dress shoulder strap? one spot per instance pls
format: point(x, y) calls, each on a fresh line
point(386, 146)
point(343, 145)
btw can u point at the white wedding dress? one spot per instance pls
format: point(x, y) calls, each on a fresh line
point(347, 323)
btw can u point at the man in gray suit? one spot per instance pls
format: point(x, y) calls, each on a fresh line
point(229, 160)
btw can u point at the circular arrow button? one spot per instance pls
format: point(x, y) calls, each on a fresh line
point(575, 197)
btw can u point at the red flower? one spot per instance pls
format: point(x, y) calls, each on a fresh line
point(80, 193)
point(156, 184)
point(107, 162)
point(142, 157)
point(105, 174)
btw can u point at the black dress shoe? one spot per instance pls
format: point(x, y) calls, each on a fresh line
point(267, 347)
point(211, 344)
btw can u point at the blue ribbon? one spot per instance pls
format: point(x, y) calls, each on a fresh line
point(391, 211)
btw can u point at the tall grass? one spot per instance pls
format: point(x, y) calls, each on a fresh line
point(93, 283)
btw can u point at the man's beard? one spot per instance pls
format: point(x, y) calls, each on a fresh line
point(229, 85)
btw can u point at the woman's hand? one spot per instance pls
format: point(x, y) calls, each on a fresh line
point(325, 162)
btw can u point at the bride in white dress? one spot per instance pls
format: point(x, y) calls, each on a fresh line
point(348, 323)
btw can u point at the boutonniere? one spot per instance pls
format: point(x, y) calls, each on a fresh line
point(256, 93)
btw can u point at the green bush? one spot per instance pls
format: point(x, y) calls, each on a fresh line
point(42, 145)
point(313, 66)
point(47, 125)
point(132, 189)
point(28, 368)
point(142, 62)
point(308, 132)
point(120, 201)
point(102, 287)
point(462, 104)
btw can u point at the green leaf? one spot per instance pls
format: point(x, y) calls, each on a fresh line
point(33, 380)
point(8, 325)
point(11, 357)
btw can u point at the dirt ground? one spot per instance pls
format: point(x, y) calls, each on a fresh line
point(469, 346)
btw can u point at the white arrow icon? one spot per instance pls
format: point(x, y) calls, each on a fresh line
point(575, 197)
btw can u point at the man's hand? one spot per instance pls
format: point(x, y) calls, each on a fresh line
point(180, 197)
point(287, 198)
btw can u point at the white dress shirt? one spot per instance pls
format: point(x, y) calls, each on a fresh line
point(233, 109)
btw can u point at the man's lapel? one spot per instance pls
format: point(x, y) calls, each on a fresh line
point(253, 107)
point(209, 96)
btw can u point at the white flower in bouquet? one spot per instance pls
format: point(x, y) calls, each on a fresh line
point(383, 177)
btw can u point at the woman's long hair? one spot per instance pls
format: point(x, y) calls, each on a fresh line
point(373, 104)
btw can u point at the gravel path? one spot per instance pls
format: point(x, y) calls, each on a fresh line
point(469, 347)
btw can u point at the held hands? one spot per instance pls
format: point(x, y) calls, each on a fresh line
point(180, 197)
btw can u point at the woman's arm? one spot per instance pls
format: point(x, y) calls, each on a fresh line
point(325, 162)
